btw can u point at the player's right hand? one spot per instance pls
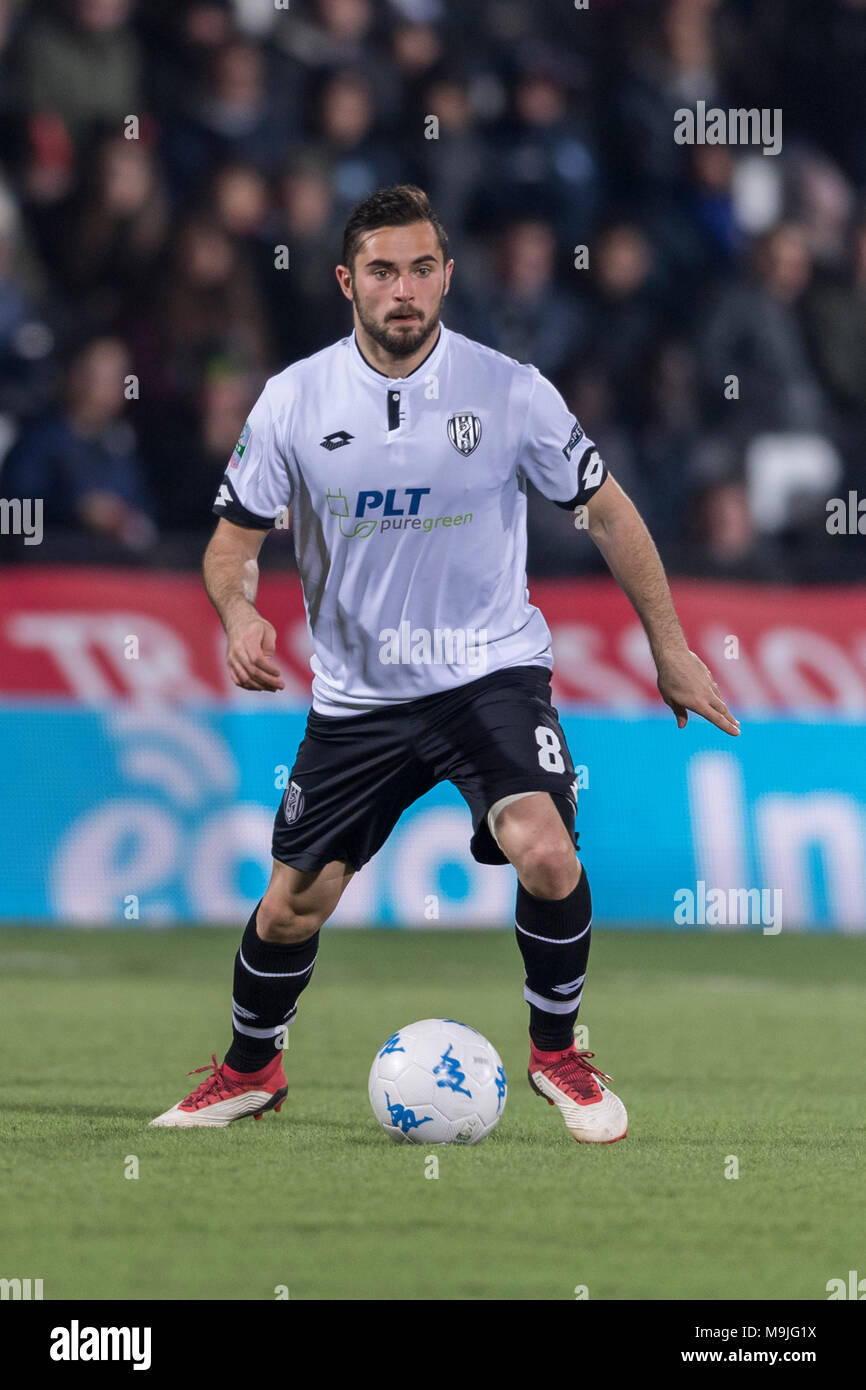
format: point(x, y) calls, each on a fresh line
point(251, 645)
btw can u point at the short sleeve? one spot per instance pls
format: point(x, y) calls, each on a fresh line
point(556, 456)
point(256, 486)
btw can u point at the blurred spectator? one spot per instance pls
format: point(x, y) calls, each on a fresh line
point(544, 156)
point(822, 56)
point(623, 314)
point(836, 316)
point(359, 160)
point(723, 526)
point(303, 299)
point(338, 34)
point(670, 437)
point(26, 340)
point(526, 314)
point(555, 545)
point(695, 230)
point(417, 55)
point(109, 237)
point(206, 303)
point(238, 201)
point(670, 63)
point(452, 165)
point(83, 462)
point(78, 61)
point(233, 114)
point(195, 439)
point(824, 202)
point(756, 333)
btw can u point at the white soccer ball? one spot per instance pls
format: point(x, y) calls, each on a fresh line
point(437, 1082)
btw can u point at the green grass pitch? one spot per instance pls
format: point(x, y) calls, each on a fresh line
point(719, 1044)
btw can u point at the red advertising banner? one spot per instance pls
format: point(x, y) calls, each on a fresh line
point(97, 635)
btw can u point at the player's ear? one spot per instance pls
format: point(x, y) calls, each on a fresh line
point(344, 280)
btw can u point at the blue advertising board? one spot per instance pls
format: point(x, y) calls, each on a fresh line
point(138, 817)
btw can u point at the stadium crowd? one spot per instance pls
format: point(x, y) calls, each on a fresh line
point(174, 178)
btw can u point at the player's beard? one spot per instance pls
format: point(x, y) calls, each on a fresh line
point(400, 342)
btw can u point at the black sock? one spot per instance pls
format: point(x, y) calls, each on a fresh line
point(553, 935)
point(269, 976)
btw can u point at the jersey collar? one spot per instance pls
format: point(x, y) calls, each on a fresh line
point(430, 364)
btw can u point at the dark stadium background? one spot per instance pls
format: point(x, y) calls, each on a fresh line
point(259, 126)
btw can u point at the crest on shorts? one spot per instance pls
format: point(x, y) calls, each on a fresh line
point(464, 431)
point(293, 803)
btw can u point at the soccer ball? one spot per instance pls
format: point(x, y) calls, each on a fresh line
point(437, 1082)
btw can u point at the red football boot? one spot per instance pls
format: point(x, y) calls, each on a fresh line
point(592, 1113)
point(228, 1095)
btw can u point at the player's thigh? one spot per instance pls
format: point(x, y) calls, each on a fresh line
point(505, 739)
point(309, 896)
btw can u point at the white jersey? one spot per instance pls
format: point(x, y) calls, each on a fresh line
point(409, 512)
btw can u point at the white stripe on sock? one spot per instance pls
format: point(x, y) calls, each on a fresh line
point(555, 940)
point(277, 974)
point(263, 1032)
point(551, 1006)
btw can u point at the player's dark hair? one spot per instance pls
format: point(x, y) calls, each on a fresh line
point(397, 206)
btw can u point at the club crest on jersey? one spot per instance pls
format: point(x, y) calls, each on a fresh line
point(293, 803)
point(464, 431)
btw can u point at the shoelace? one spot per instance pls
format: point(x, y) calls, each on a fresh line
point(575, 1068)
point(217, 1080)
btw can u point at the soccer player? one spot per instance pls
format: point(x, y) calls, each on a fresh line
point(404, 450)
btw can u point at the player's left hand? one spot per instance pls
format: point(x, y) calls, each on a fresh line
point(685, 683)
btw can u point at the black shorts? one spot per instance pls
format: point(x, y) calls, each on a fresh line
point(353, 777)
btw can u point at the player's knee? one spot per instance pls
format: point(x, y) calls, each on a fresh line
point(549, 869)
point(280, 921)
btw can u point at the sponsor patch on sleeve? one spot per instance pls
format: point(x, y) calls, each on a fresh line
point(575, 438)
point(240, 447)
